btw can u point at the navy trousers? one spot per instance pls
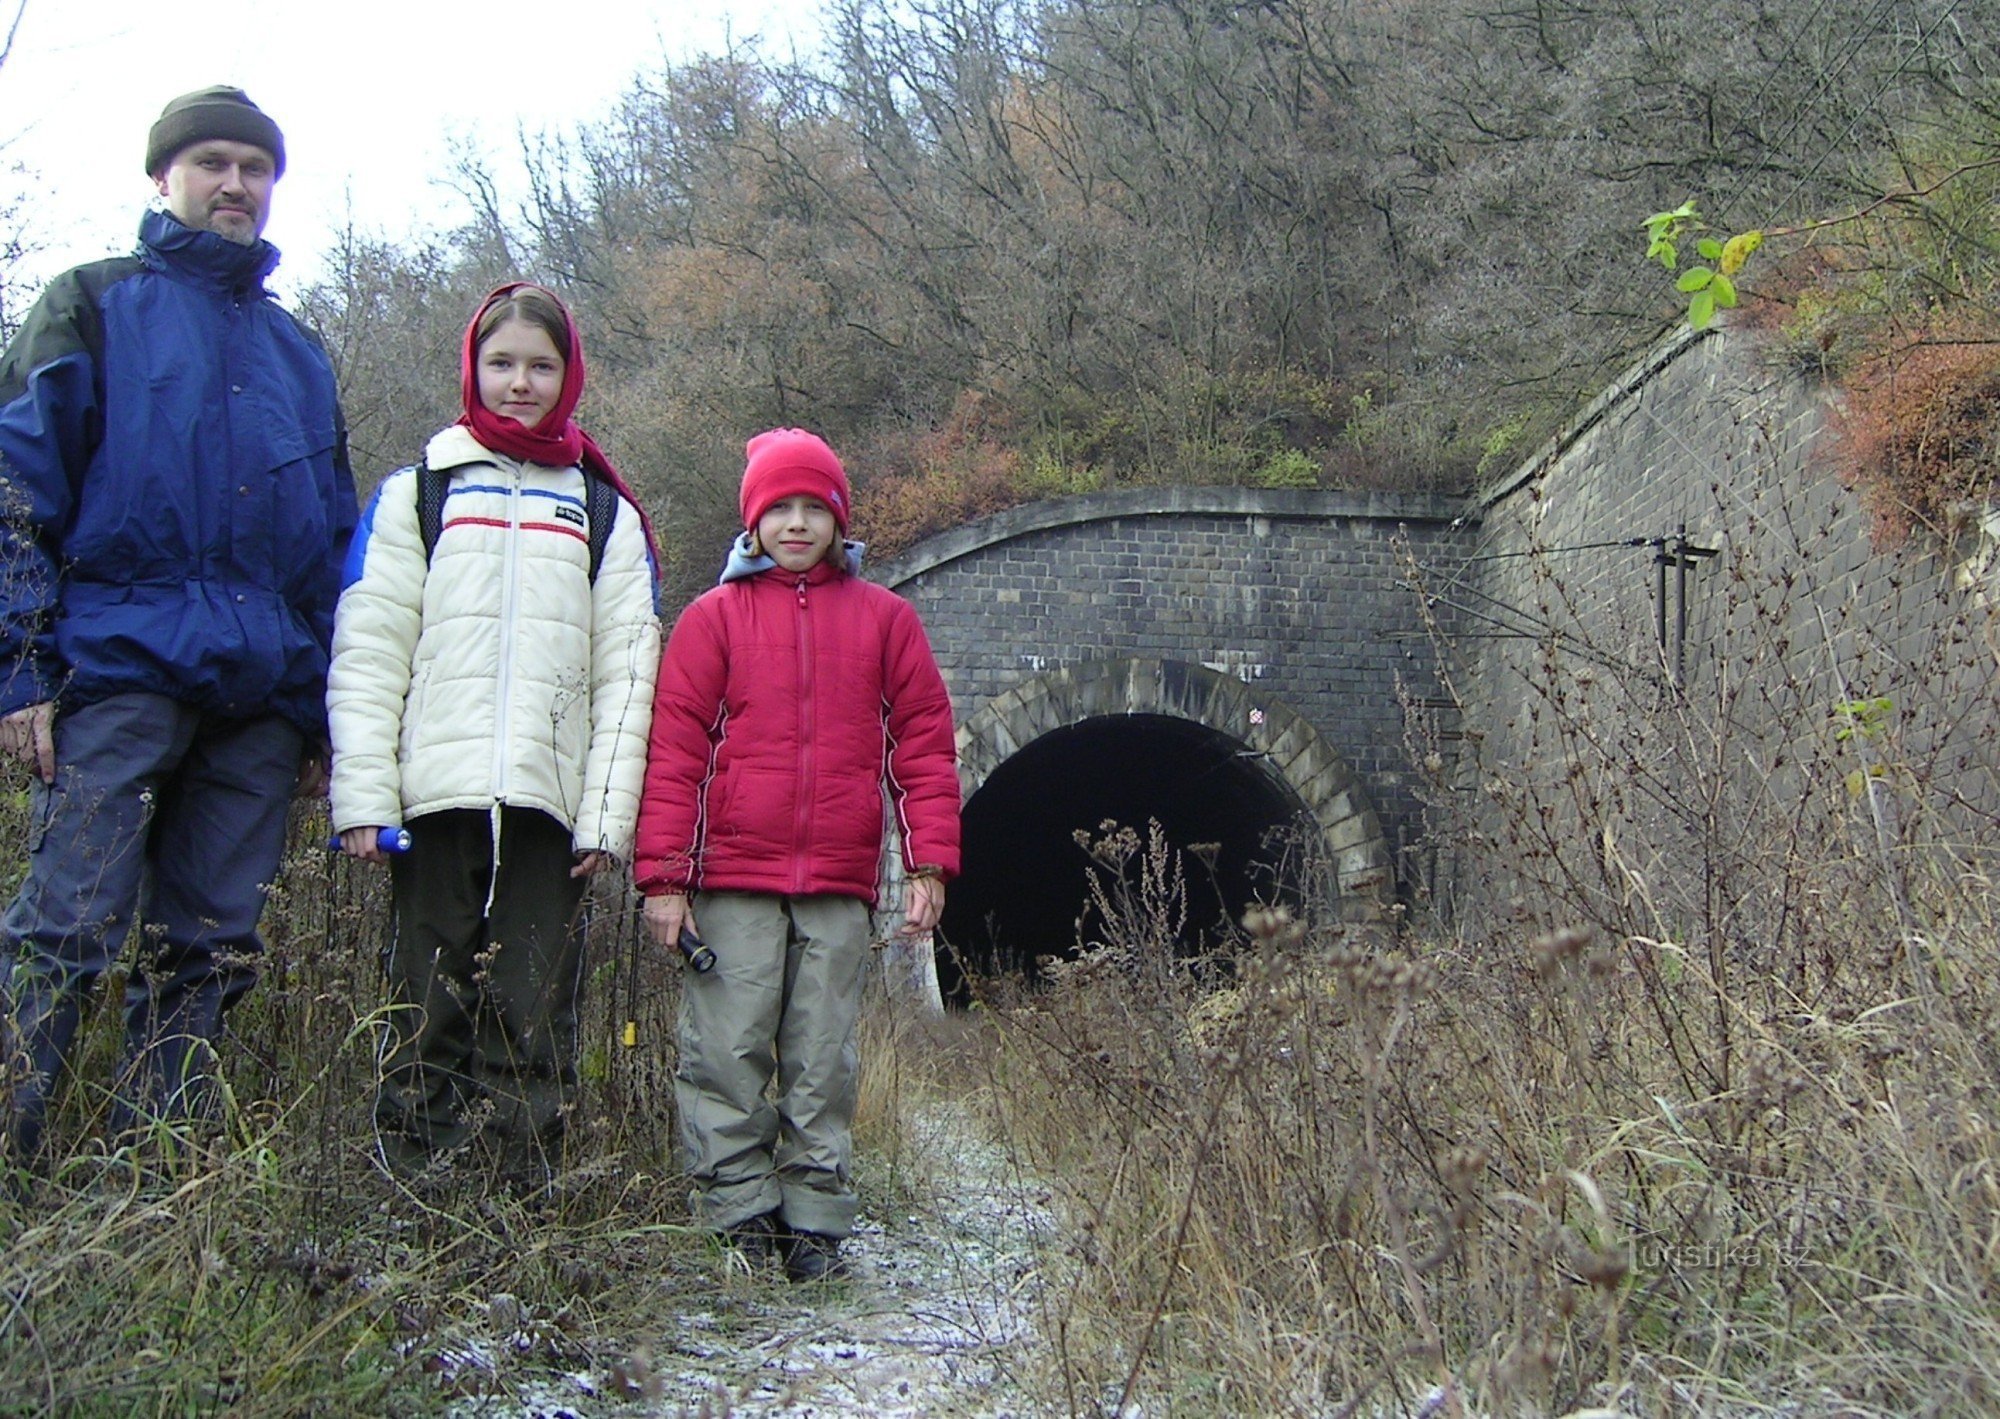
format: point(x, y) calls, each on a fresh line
point(162, 816)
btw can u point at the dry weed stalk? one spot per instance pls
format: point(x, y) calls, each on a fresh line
point(1684, 1104)
point(263, 1264)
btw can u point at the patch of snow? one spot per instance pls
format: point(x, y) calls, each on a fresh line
point(940, 1301)
point(938, 1309)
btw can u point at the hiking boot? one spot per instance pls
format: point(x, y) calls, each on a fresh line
point(814, 1256)
point(757, 1239)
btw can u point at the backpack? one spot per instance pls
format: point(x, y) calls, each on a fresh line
point(600, 505)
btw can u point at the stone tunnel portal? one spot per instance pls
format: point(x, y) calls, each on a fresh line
point(1025, 882)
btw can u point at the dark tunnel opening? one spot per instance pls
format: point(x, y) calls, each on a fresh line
point(1025, 882)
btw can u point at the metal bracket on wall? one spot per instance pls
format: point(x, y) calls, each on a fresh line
point(1682, 555)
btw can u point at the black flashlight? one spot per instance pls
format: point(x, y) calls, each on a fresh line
point(698, 955)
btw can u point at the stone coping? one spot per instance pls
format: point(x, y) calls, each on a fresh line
point(1293, 504)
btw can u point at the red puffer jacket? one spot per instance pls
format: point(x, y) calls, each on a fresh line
point(785, 703)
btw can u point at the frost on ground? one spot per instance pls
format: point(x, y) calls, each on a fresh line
point(938, 1305)
point(933, 1322)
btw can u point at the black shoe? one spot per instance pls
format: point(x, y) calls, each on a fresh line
point(814, 1256)
point(757, 1239)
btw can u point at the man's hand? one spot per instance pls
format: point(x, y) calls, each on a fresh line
point(29, 735)
point(665, 916)
point(312, 775)
point(923, 904)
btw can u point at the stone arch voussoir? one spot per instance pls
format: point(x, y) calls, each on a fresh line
point(1293, 750)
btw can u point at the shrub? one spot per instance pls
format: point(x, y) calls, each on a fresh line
point(1920, 434)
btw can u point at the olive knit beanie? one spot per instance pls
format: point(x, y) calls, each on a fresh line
point(215, 112)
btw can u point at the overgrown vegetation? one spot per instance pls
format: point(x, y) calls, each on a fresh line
point(999, 248)
point(1685, 1106)
point(1898, 304)
point(268, 1266)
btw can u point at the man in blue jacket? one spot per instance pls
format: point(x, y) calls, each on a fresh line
point(175, 505)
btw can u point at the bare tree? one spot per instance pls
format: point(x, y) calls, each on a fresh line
point(1206, 240)
point(16, 241)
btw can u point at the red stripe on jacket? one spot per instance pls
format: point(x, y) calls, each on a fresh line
point(563, 527)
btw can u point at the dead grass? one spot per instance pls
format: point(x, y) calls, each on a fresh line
point(1688, 1109)
point(1487, 1175)
point(268, 1266)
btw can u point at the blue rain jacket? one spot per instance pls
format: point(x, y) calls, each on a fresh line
point(175, 497)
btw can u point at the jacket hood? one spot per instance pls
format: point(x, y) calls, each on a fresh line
point(741, 562)
point(167, 244)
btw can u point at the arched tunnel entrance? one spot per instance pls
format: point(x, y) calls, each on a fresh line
point(1025, 882)
point(1133, 741)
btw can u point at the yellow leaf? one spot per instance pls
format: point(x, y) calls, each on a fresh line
point(1738, 249)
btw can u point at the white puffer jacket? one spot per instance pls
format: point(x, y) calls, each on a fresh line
point(495, 671)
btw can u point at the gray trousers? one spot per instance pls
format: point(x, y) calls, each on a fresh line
point(483, 995)
point(779, 1008)
point(168, 815)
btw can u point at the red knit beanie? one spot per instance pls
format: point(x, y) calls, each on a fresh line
point(791, 463)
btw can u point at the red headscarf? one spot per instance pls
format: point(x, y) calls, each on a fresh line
point(556, 442)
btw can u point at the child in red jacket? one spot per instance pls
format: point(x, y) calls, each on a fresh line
point(791, 696)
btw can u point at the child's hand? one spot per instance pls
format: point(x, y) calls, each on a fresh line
point(589, 864)
point(923, 904)
point(665, 916)
point(364, 843)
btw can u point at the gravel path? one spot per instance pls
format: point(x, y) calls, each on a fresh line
point(940, 1303)
point(939, 1310)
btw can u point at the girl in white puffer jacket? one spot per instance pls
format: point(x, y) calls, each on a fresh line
point(491, 692)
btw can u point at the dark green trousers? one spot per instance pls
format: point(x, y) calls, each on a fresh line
point(484, 974)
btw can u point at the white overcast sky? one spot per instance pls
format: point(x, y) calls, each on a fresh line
point(370, 95)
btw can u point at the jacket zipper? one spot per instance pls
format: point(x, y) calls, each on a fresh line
point(504, 689)
point(802, 824)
